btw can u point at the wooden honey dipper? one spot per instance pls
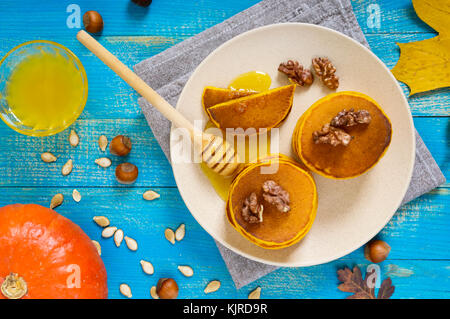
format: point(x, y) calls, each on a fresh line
point(216, 153)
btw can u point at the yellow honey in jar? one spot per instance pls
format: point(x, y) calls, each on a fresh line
point(45, 92)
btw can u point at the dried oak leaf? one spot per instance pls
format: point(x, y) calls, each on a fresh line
point(423, 65)
point(386, 289)
point(353, 282)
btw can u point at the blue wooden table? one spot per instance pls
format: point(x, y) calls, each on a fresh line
point(419, 263)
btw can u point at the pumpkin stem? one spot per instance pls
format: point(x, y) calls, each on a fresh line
point(14, 287)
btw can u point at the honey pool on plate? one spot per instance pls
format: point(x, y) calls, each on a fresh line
point(45, 91)
point(252, 150)
point(253, 81)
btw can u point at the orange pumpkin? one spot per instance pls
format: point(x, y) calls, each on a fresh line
point(44, 255)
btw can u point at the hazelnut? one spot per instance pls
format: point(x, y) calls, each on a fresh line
point(120, 145)
point(126, 173)
point(167, 288)
point(143, 3)
point(93, 21)
point(376, 251)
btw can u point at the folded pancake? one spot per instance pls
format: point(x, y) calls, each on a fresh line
point(277, 228)
point(362, 144)
point(261, 110)
point(212, 96)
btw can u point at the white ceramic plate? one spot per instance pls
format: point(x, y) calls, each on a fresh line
point(350, 212)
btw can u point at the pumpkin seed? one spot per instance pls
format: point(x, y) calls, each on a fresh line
point(74, 139)
point(125, 290)
point(67, 168)
point(153, 293)
point(108, 231)
point(150, 195)
point(212, 286)
point(180, 232)
point(76, 195)
point(170, 235)
point(118, 237)
point(14, 286)
point(102, 221)
point(102, 142)
point(103, 162)
point(48, 157)
point(56, 200)
point(186, 270)
point(97, 245)
point(147, 267)
point(131, 243)
point(255, 294)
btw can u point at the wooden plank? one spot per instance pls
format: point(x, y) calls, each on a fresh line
point(433, 103)
point(396, 16)
point(22, 166)
point(411, 278)
point(409, 230)
point(110, 97)
point(418, 235)
point(176, 18)
point(408, 234)
point(436, 139)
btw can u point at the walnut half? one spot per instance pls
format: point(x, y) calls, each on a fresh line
point(331, 135)
point(325, 70)
point(251, 210)
point(275, 194)
point(296, 73)
point(351, 118)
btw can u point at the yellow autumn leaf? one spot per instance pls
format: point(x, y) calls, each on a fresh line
point(435, 13)
point(425, 65)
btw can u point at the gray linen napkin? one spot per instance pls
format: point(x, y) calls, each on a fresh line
point(168, 72)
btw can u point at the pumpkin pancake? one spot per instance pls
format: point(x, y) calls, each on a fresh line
point(212, 96)
point(278, 229)
point(368, 143)
point(262, 110)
